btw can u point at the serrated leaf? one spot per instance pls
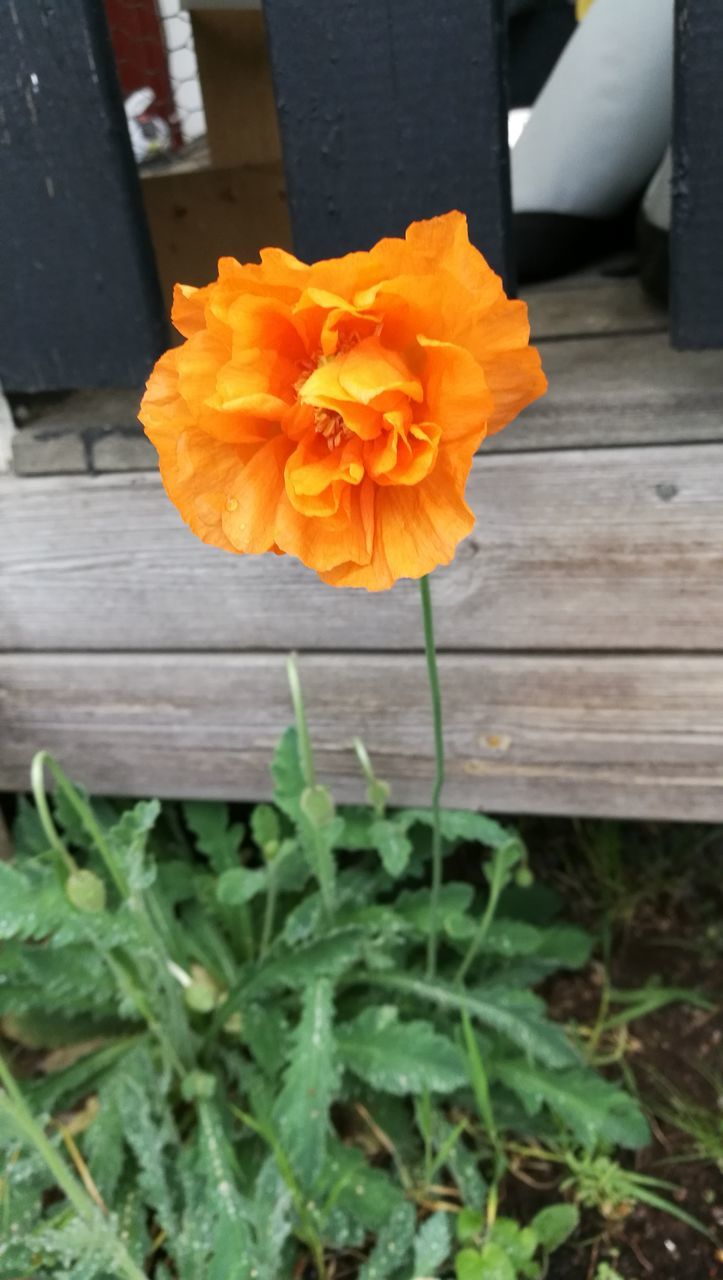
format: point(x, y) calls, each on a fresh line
point(32, 902)
point(302, 1108)
point(217, 838)
point(148, 1136)
point(33, 978)
point(594, 1109)
point(239, 885)
point(399, 1057)
point(432, 1245)
point(514, 1014)
point(325, 957)
point(462, 824)
point(128, 840)
point(393, 1247)
point(554, 1224)
point(287, 775)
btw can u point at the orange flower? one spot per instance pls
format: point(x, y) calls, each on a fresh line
point(332, 411)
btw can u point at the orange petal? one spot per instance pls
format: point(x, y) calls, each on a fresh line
point(250, 510)
point(369, 370)
point(455, 390)
point(188, 313)
point(515, 379)
point(415, 530)
point(196, 470)
point(323, 542)
point(316, 475)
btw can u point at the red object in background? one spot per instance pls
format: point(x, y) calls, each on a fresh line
point(141, 57)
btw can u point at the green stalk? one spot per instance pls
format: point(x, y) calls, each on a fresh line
point(306, 756)
point(436, 696)
point(499, 880)
point(272, 889)
point(83, 811)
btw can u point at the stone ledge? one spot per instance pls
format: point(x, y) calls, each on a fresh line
point(84, 431)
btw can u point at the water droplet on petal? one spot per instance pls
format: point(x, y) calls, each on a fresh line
point(231, 504)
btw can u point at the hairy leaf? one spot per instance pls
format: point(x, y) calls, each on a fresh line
point(595, 1109)
point(393, 1247)
point(302, 1109)
point(516, 1015)
point(399, 1057)
point(287, 775)
point(432, 1245)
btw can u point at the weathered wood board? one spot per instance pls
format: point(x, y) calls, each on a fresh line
point(603, 549)
point(629, 736)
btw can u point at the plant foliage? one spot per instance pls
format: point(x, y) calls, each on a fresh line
point(235, 1061)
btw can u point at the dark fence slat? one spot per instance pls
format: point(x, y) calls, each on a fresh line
point(391, 110)
point(79, 300)
point(697, 225)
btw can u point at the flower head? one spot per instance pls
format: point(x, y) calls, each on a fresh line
point(332, 411)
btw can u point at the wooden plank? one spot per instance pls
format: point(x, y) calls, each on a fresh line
point(600, 549)
point(697, 222)
point(627, 736)
point(591, 307)
point(621, 390)
point(388, 113)
point(80, 304)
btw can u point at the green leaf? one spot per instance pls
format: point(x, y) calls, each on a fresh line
point(595, 1110)
point(266, 829)
point(514, 1014)
point(325, 957)
point(32, 902)
point(128, 840)
point(302, 1108)
point(491, 1263)
point(432, 1245)
point(470, 1225)
point(399, 1057)
point(149, 1137)
point(239, 885)
point(392, 844)
point(461, 824)
point(393, 1246)
point(29, 839)
point(455, 898)
point(364, 1193)
point(554, 1224)
point(287, 775)
point(216, 836)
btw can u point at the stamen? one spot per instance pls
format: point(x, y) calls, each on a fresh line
point(330, 424)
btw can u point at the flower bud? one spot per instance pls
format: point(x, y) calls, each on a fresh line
point(85, 890)
point(317, 806)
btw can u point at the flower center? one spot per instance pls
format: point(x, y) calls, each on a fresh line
point(330, 424)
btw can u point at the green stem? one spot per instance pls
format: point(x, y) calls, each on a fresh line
point(436, 697)
point(83, 811)
point(302, 729)
point(496, 887)
point(270, 907)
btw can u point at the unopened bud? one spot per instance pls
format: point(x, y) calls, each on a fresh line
point(85, 890)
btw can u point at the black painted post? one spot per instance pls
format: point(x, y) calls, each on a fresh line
point(696, 243)
point(391, 110)
point(79, 299)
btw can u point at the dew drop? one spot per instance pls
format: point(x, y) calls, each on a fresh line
point(231, 504)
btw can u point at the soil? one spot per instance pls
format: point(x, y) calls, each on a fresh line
point(666, 922)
